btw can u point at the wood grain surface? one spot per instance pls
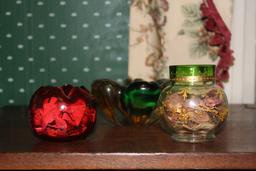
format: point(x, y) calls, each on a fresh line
point(114, 147)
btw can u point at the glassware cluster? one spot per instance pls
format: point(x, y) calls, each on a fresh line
point(189, 106)
point(129, 104)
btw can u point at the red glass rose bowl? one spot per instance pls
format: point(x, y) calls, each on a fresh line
point(62, 113)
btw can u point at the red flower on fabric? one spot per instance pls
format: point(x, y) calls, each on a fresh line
point(62, 112)
point(214, 23)
point(164, 5)
point(216, 40)
point(222, 73)
point(210, 24)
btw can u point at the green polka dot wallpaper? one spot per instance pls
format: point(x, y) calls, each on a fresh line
point(54, 42)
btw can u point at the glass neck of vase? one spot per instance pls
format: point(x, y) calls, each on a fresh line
point(192, 74)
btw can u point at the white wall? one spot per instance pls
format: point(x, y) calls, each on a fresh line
point(241, 86)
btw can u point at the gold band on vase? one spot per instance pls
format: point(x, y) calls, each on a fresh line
point(193, 79)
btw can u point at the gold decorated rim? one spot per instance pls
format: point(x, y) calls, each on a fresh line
point(193, 78)
point(192, 73)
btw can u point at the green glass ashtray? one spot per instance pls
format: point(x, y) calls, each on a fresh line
point(131, 103)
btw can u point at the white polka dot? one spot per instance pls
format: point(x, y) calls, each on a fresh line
point(52, 59)
point(29, 14)
point(31, 81)
point(52, 37)
point(10, 79)
point(96, 36)
point(18, 2)
point(74, 36)
point(86, 48)
point(1, 69)
point(108, 69)
point(107, 47)
point(64, 69)
point(63, 48)
point(119, 58)
point(128, 2)
point(8, 13)
point(20, 46)
point(85, 2)
point(119, 80)
point(53, 80)
point(21, 68)
point(9, 35)
point(85, 69)
point(40, 3)
point(96, 58)
point(85, 25)
point(29, 37)
point(107, 2)
point(63, 25)
point(73, 14)
point(9, 58)
point(30, 59)
point(19, 24)
point(119, 14)
point(75, 59)
point(21, 90)
point(119, 36)
point(0, 46)
point(41, 48)
point(51, 14)
point(63, 3)
point(75, 80)
point(11, 101)
point(40, 26)
point(42, 70)
point(108, 25)
point(1, 90)
point(96, 14)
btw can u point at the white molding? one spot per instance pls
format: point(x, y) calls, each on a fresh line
point(241, 86)
point(248, 95)
point(235, 86)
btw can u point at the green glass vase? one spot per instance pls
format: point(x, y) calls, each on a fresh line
point(193, 107)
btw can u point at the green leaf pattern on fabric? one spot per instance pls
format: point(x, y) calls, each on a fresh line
point(193, 27)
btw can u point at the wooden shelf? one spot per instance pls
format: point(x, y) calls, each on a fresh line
point(113, 147)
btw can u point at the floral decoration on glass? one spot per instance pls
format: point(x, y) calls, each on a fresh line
point(62, 113)
point(129, 104)
point(193, 108)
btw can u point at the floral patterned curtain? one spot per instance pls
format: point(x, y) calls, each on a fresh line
point(173, 32)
